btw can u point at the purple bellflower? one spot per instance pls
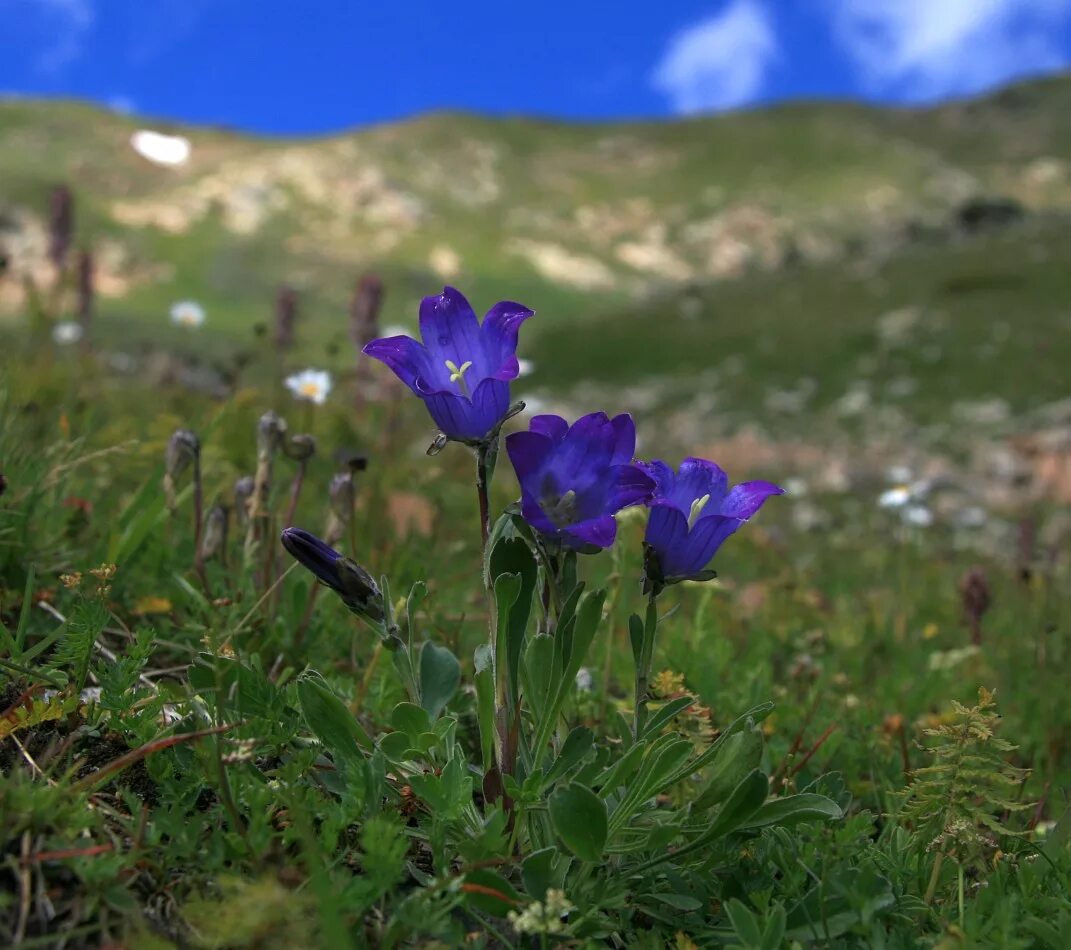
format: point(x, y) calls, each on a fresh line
point(463, 368)
point(575, 478)
point(345, 577)
point(693, 512)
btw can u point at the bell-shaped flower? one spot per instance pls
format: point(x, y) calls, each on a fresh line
point(693, 512)
point(574, 479)
point(462, 369)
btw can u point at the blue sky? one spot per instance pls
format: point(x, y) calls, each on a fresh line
point(319, 65)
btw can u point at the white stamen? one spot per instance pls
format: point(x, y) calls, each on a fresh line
point(697, 507)
point(457, 374)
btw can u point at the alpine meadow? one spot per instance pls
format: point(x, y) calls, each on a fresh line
point(508, 532)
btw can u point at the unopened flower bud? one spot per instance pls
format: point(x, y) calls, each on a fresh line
point(214, 539)
point(342, 496)
point(300, 448)
point(243, 491)
point(183, 448)
point(346, 578)
point(270, 432)
point(975, 591)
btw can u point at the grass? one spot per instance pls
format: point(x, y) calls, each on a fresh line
point(260, 834)
point(225, 756)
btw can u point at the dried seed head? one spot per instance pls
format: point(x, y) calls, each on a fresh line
point(243, 491)
point(300, 448)
point(183, 448)
point(343, 496)
point(270, 432)
point(214, 539)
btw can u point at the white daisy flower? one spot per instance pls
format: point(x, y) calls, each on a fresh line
point(160, 149)
point(312, 385)
point(895, 497)
point(66, 332)
point(187, 313)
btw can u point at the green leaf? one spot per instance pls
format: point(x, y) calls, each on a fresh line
point(738, 755)
point(514, 556)
point(793, 809)
point(331, 720)
point(579, 818)
point(440, 676)
point(410, 719)
point(543, 870)
point(484, 679)
point(576, 746)
point(677, 901)
point(745, 924)
point(745, 800)
point(539, 670)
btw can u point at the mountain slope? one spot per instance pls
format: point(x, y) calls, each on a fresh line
point(565, 217)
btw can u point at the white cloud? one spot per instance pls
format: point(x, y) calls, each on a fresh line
point(926, 49)
point(57, 28)
point(719, 62)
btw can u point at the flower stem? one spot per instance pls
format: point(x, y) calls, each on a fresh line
point(483, 451)
point(643, 664)
point(198, 517)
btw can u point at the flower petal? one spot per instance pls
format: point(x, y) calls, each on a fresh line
point(534, 514)
point(629, 485)
point(467, 419)
point(696, 478)
point(667, 531)
point(408, 358)
point(599, 532)
point(527, 452)
point(499, 332)
point(585, 452)
point(747, 498)
point(451, 332)
point(554, 427)
point(624, 438)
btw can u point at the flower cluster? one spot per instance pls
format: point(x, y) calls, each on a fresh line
point(574, 478)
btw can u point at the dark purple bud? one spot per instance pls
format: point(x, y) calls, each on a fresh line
point(285, 316)
point(345, 577)
point(976, 595)
point(364, 310)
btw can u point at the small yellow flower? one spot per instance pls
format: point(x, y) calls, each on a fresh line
point(147, 606)
point(71, 580)
point(667, 683)
point(930, 631)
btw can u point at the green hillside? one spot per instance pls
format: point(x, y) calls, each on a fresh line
point(570, 218)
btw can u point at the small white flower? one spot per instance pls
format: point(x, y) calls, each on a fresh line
point(67, 332)
point(525, 367)
point(584, 679)
point(895, 497)
point(918, 515)
point(160, 149)
point(898, 474)
point(795, 486)
point(187, 313)
point(312, 385)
